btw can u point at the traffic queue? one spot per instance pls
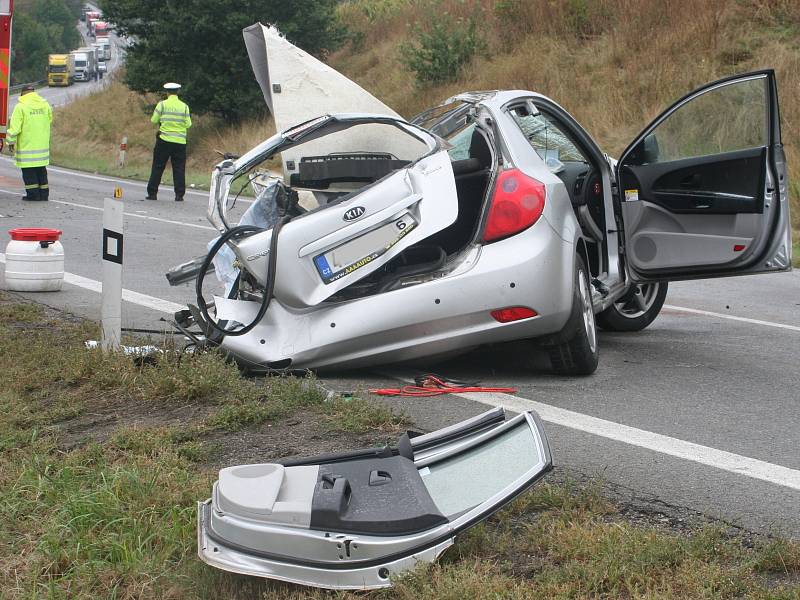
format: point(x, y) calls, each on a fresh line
point(87, 63)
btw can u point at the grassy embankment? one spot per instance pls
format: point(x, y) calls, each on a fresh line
point(101, 462)
point(87, 134)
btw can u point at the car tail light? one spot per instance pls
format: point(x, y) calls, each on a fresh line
point(517, 203)
point(513, 313)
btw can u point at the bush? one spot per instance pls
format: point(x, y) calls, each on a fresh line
point(439, 53)
point(41, 27)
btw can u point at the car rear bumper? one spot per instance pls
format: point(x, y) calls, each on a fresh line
point(532, 269)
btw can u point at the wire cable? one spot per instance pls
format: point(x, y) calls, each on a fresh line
point(269, 287)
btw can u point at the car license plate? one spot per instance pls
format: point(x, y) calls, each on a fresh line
point(359, 252)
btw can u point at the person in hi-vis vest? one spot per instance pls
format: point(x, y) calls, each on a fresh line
point(173, 120)
point(28, 139)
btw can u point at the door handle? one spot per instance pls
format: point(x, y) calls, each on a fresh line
point(692, 182)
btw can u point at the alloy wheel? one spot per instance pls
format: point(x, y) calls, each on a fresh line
point(588, 313)
point(638, 301)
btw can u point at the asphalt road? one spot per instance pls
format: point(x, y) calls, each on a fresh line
point(699, 412)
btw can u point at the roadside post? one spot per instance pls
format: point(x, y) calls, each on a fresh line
point(111, 312)
point(123, 147)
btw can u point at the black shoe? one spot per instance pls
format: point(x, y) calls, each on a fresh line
point(178, 198)
point(29, 199)
point(149, 197)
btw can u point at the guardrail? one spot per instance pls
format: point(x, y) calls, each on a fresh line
point(16, 88)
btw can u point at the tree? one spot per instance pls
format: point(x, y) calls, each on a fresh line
point(199, 44)
point(41, 27)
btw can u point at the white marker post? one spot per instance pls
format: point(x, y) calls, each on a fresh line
point(112, 272)
point(123, 147)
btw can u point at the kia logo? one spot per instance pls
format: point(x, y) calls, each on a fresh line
point(354, 213)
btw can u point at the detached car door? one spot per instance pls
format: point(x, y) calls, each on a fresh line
point(359, 519)
point(703, 189)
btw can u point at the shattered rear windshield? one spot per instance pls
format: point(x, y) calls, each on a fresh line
point(439, 119)
point(452, 123)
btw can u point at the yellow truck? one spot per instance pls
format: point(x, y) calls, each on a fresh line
point(60, 70)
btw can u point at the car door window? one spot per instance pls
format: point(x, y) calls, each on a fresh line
point(723, 119)
point(546, 137)
point(468, 479)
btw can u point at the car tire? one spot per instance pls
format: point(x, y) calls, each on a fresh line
point(577, 354)
point(636, 309)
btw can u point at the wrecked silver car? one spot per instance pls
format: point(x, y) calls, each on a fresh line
point(358, 519)
point(492, 217)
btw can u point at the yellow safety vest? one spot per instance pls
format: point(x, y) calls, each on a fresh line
point(172, 117)
point(30, 131)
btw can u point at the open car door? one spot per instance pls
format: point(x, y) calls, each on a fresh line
point(703, 188)
point(354, 520)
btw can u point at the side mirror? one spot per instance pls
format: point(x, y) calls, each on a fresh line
point(651, 151)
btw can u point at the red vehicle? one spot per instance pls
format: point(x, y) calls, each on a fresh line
point(6, 10)
point(100, 29)
point(92, 17)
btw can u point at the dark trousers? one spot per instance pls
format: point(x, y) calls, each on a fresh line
point(176, 154)
point(35, 180)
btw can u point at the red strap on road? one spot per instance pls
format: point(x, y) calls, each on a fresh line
point(433, 385)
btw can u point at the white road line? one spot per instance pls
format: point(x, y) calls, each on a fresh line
point(704, 455)
point(138, 216)
point(92, 285)
point(708, 313)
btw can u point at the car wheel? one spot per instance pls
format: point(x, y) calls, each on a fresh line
point(636, 309)
point(577, 354)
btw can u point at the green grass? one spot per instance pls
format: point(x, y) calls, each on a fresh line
point(114, 517)
point(796, 252)
point(357, 415)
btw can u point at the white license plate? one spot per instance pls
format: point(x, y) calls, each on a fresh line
point(351, 256)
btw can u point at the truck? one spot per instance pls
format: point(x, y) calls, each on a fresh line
point(60, 70)
point(100, 30)
point(100, 49)
point(105, 43)
point(92, 17)
point(85, 63)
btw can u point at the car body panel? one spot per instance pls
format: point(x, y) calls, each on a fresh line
point(450, 313)
point(239, 531)
point(421, 198)
point(298, 87)
point(328, 249)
